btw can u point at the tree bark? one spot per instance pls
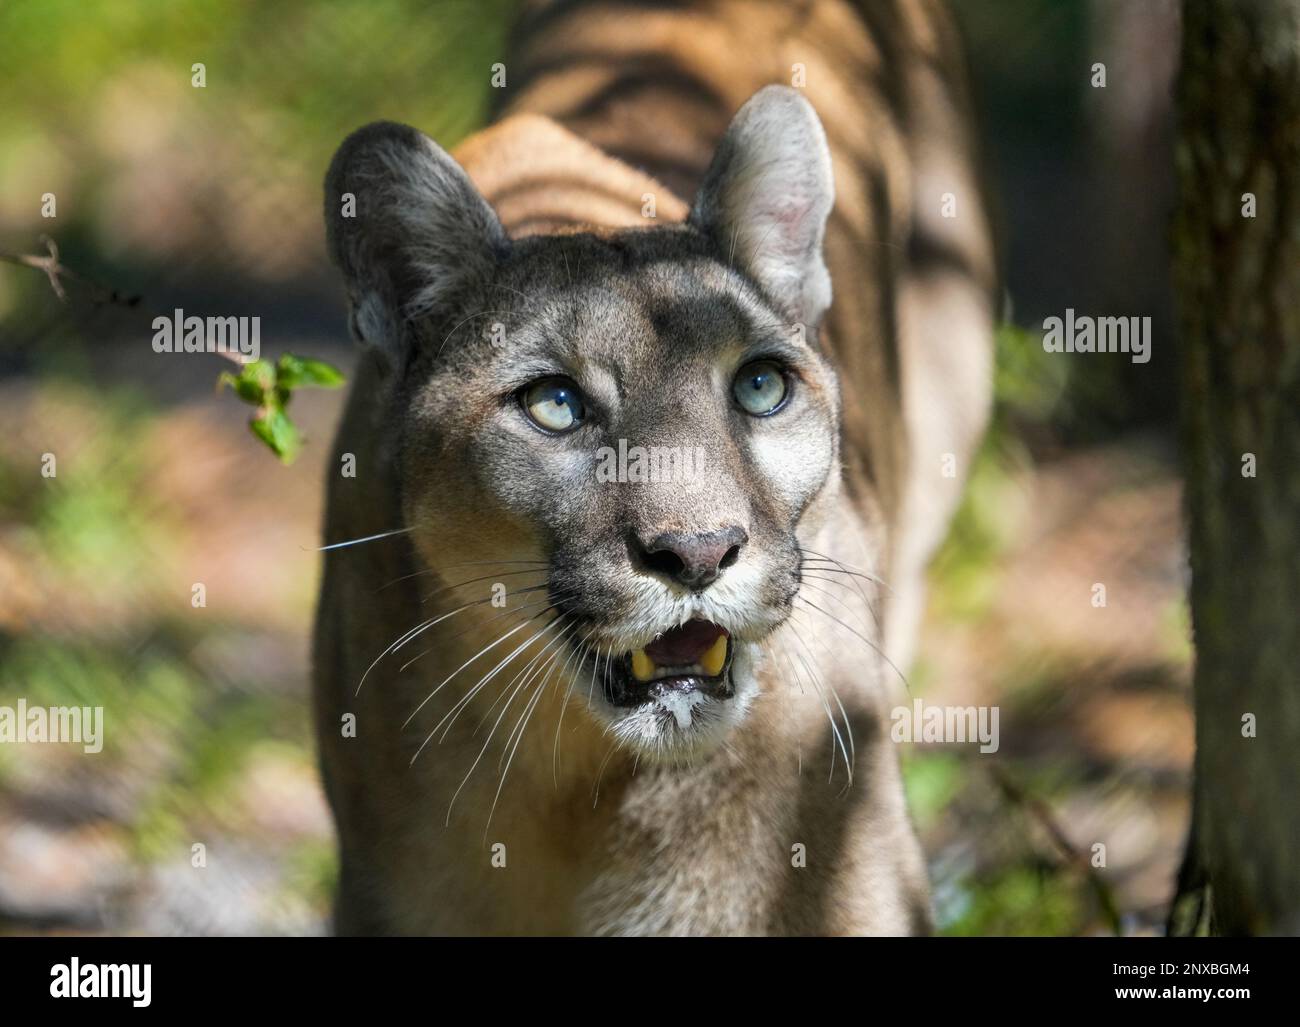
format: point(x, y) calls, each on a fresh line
point(1238, 283)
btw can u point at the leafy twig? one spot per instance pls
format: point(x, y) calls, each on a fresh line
point(269, 387)
point(260, 383)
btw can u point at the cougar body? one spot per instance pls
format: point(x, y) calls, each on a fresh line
point(641, 251)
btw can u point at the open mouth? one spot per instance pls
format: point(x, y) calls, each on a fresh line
point(694, 657)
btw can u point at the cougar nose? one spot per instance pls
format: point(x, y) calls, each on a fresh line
point(693, 560)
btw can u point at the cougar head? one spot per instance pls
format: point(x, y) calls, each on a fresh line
point(641, 419)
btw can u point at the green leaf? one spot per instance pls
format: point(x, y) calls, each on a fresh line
point(273, 427)
point(293, 372)
point(259, 372)
point(252, 381)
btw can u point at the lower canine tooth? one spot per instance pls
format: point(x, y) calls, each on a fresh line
point(643, 668)
point(713, 660)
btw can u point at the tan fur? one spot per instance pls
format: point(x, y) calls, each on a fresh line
point(603, 843)
point(539, 177)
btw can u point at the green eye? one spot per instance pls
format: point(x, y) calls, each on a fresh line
point(554, 404)
point(760, 388)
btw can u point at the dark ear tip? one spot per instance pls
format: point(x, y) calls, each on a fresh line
point(357, 156)
point(367, 136)
point(361, 145)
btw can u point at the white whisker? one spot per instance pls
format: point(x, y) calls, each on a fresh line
point(356, 541)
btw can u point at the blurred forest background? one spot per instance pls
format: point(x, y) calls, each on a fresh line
point(209, 199)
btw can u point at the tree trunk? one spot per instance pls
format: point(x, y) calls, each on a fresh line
point(1238, 282)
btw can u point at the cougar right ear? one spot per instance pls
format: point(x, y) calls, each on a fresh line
point(766, 197)
point(408, 230)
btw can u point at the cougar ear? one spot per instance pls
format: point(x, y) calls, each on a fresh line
point(408, 230)
point(766, 197)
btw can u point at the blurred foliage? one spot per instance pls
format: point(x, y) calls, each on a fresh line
point(310, 71)
point(182, 722)
point(1016, 883)
point(931, 781)
point(90, 522)
point(211, 194)
point(208, 195)
point(1030, 386)
point(1032, 900)
point(1012, 881)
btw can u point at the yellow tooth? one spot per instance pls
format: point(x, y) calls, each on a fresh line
point(713, 660)
point(643, 668)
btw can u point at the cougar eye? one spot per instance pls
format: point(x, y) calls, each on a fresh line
point(554, 404)
point(760, 388)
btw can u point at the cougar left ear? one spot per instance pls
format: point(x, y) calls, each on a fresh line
point(766, 197)
point(408, 230)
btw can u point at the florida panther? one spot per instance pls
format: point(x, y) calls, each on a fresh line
point(751, 231)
